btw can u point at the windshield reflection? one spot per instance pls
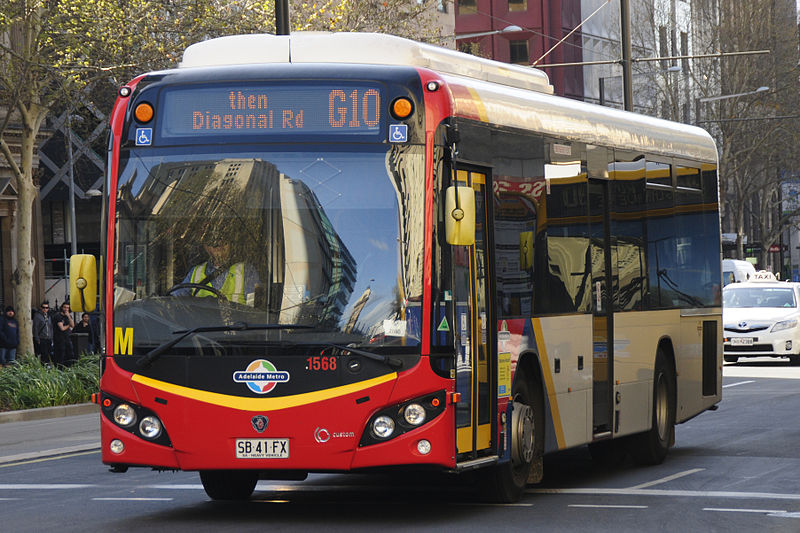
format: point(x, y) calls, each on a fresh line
point(280, 238)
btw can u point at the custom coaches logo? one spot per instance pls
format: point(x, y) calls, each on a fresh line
point(261, 376)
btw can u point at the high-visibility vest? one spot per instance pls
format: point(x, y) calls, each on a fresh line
point(232, 288)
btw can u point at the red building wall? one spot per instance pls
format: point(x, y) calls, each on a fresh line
point(544, 23)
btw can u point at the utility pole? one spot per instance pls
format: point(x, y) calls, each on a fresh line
point(627, 71)
point(72, 224)
point(281, 17)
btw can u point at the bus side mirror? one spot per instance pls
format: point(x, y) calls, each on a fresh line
point(82, 282)
point(459, 217)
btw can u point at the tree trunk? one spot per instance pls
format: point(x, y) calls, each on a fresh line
point(22, 280)
point(740, 231)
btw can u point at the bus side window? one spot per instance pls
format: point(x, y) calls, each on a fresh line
point(515, 211)
point(627, 229)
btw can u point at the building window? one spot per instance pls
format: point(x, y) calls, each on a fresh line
point(441, 6)
point(518, 52)
point(517, 5)
point(467, 7)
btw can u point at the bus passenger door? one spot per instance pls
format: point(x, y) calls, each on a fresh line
point(602, 315)
point(474, 331)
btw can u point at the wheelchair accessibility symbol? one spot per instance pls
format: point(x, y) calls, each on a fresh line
point(398, 133)
point(144, 136)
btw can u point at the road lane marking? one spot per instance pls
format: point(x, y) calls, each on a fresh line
point(596, 506)
point(667, 479)
point(133, 499)
point(46, 455)
point(675, 493)
point(66, 456)
point(785, 514)
point(737, 384)
point(177, 486)
point(479, 504)
point(762, 511)
point(45, 486)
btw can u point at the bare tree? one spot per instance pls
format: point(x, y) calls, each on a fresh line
point(759, 138)
point(756, 130)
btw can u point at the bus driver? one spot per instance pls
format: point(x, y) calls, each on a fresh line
point(236, 281)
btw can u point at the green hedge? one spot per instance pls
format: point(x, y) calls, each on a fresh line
point(29, 384)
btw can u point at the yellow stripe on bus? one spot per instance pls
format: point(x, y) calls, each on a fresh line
point(548, 382)
point(261, 404)
point(479, 105)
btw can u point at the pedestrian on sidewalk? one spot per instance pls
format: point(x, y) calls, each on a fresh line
point(43, 334)
point(85, 327)
point(62, 344)
point(9, 337)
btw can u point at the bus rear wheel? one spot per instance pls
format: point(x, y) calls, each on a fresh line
point(651, 447)
point(229, 484)
point(505, 483)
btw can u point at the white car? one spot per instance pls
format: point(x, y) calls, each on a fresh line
point(761, 318)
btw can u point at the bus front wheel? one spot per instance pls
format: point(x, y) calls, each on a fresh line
point(506, 482)
point(229, 484)
point(651, 447)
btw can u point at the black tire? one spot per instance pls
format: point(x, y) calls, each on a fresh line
point(651, 447)
point(229, 484)
point(505, 483)
point(731, 358)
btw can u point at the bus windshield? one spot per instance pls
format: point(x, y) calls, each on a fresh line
point(326, 238)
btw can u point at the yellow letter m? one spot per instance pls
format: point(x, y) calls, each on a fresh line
point(123, 341)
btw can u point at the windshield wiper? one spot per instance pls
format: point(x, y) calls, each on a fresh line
point(390, 361)
point(158, 351)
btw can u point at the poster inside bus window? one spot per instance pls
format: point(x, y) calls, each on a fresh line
point(231, 110)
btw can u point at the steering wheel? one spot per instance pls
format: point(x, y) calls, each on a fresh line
point(197, 286)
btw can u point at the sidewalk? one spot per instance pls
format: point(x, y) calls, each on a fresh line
point(37, 433)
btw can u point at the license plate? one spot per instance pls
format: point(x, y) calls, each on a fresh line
point(262, 448)
point(741, 341)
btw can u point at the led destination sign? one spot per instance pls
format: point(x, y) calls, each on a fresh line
point(229, 110)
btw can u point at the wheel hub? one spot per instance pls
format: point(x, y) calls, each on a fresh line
point(522, 437)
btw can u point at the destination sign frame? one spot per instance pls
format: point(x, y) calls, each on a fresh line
point(283, 109)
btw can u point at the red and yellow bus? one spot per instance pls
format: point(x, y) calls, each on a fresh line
point(334, 252)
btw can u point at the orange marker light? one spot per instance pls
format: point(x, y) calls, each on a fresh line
point(402, 108)
point(144, 112)
point(435, 402)
point(107, 402)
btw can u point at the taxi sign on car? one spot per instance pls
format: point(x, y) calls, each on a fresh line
point(763, 275)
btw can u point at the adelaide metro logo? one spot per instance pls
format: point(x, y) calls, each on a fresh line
point(261, 376)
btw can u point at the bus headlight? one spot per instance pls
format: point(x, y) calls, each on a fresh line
point(395, 420)
point(424, 447)
point(414, 414)
point(150, 427)
point(383, 427)
point(116, 446)
point(124, 415)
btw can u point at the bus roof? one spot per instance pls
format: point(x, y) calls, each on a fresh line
point(362, 48)
point(578, 121)
point(495, 92)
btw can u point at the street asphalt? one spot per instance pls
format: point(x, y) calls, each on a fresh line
point(37, 433)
